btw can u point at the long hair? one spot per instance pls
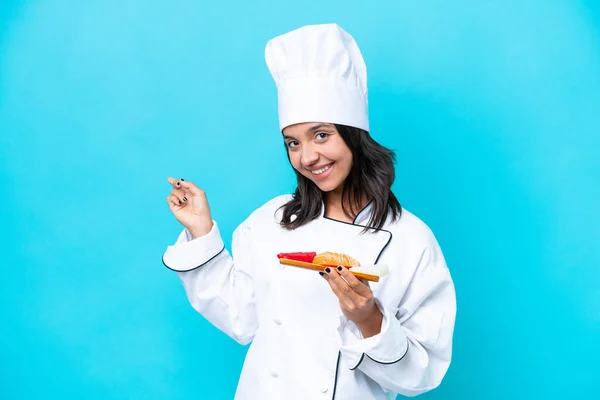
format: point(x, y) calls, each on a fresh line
point(371, 176)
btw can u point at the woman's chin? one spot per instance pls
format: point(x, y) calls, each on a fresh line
point(326, 186)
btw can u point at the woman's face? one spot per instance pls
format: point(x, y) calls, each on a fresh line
point(319, 153)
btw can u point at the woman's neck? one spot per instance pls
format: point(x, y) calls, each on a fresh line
point(334, 209)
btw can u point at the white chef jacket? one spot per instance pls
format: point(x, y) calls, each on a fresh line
point(302, 346)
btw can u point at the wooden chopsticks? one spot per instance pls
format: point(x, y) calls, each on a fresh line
point(319, 267)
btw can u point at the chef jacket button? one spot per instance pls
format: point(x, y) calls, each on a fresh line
point(324, 389)
point(273, 373)
point(277, 321)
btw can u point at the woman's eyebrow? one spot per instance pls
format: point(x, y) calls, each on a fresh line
point(319, 126)
point(309, 130)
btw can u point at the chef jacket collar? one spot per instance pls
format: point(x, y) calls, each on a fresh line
point(362, 218)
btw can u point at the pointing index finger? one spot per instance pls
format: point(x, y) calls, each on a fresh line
point(195, 190)
point(176, 183)
point(183, 184)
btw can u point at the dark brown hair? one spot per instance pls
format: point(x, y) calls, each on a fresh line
point(371, 177)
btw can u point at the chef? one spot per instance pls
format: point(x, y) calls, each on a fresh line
point(326, 334)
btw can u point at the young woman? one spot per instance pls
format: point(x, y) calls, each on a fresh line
point(322, 335)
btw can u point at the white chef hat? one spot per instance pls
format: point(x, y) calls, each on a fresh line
point(320, 76)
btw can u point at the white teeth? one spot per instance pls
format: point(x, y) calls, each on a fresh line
point(320, 171)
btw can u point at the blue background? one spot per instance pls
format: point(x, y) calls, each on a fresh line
point(492, 106)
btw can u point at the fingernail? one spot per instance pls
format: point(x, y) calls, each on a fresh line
point(339, 267)
point(185, 199)
point(321, 273)
point(328, 270)
point(179, 201)
point(178, 183)
point(182, 179)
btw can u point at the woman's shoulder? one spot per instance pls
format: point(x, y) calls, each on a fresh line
point(413, 229)
point(273, 204)
point(269, 209)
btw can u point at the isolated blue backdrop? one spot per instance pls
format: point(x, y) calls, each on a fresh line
point(492, 106)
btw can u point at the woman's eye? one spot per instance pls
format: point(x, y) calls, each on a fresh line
point(292, 144)
point(322, 135)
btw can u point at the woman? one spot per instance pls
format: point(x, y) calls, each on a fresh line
point(328, 336)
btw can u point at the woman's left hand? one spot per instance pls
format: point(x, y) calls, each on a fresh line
point(356, 300)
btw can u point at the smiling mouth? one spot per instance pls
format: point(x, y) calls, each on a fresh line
point(321, 170)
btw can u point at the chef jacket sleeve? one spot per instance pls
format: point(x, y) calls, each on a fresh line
point(218, 287)
point(412, 352)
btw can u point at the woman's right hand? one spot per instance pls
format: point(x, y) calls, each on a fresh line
point(189, 205)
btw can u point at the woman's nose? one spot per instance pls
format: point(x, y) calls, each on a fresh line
point(309, 156)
